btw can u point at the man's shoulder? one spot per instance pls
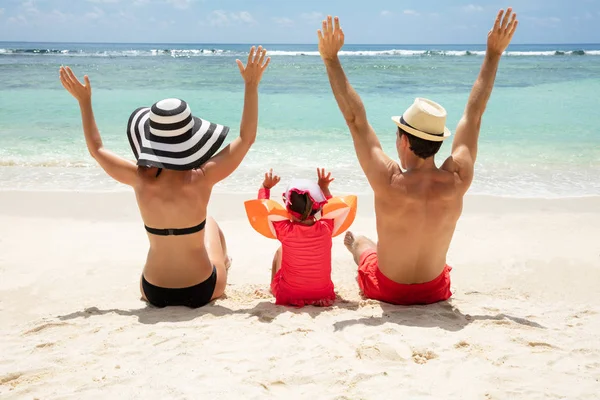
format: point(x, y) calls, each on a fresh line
point(461, 176)
point(449, 165)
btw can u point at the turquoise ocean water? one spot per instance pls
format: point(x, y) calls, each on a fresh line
point(540, 136)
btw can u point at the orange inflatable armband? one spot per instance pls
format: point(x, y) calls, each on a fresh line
point(262, 213)
point(342, 210)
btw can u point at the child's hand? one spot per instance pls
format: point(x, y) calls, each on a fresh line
point(270, 180)
point(324, 180)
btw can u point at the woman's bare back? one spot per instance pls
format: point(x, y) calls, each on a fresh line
point(174, 200)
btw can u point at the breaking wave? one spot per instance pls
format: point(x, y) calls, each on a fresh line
point(176, 53)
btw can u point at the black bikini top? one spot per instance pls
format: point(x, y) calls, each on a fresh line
point(176, 232)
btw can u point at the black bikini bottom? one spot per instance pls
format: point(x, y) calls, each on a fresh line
point(193, 296)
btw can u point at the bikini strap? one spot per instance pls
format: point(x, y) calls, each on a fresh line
point(176, 232)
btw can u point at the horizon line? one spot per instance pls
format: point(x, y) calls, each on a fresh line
point(298, 44)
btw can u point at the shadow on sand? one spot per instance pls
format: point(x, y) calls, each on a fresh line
point(441, 315)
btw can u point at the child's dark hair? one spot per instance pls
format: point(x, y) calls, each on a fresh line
point(302, 204)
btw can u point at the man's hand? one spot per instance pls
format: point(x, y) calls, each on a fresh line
point(253, 71)
point(270, 180)
point(81, 92)
point(331, 39)
point(502, 33)
point(324, 180)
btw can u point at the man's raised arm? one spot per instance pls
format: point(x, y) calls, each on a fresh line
point(464, 147)
point(376, 165)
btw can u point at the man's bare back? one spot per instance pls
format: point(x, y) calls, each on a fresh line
point(416, 218)
point(417, 207)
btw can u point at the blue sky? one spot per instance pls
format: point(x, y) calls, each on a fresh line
point(285, 21)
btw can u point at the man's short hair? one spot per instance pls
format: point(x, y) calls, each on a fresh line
point(421, 147)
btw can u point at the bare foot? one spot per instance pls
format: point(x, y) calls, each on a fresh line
point(357, 245)
point(349, 241)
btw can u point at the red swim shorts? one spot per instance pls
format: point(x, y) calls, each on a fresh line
point(377, 286)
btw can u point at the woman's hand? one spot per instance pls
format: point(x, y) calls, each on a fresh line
point(253, 71)
point(117, 167)
point(81, 92)
point(270, 180)
point(227, 160)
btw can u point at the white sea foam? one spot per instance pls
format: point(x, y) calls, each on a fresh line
point(530, 53)
point(289, 53)
point(349, 179)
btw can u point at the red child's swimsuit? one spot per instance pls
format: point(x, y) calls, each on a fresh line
point(305, 274)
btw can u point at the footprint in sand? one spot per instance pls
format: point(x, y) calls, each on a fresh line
point(381, 351)
point(423, 356)
point(541, 344)
point(262, 316)
point(47, 325)
point(535, 345)
point(44, 345)
point(24, 378)
point(300, 330)
point(262, 294)
point(5, 379)
point(269, 386)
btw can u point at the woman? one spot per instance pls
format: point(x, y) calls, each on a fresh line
point(176, 170)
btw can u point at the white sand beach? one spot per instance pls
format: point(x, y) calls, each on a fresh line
point(524, 321)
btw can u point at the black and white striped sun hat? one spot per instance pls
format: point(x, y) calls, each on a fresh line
point(167, 135)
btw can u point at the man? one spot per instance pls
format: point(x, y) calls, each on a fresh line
point(416, 209)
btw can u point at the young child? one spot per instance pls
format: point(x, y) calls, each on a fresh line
point(301, 273)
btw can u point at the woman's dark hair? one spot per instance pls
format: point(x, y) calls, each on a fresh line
point(302, 204)
point(421, 147)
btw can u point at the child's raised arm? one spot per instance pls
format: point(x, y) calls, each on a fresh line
point(270, 181)
point(324, 181)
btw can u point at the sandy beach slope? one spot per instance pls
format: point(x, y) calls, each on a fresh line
point(524, 321)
